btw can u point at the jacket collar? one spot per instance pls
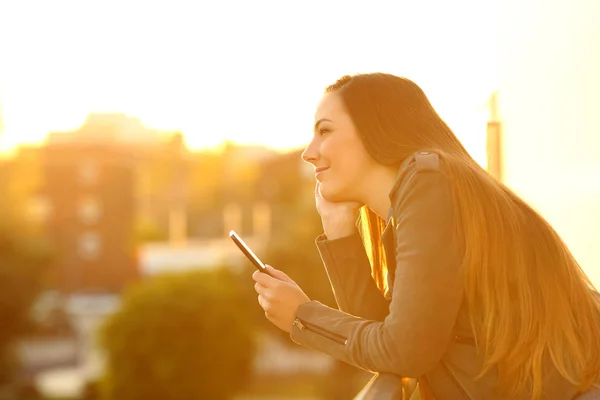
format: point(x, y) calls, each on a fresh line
point(392, 193)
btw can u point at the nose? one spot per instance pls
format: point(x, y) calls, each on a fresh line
point(310, 154)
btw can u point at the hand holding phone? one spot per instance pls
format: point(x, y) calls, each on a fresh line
point(248, 253)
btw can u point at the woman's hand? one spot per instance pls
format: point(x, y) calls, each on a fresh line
point(338, 218)
point(279, 296)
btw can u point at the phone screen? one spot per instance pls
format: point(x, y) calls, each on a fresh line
point(249, 253)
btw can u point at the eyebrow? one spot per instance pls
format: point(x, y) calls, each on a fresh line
point(319, 122)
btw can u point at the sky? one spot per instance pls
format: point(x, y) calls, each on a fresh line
point(250, 72)
point(253, 73)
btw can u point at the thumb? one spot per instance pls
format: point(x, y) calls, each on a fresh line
point(277, 274)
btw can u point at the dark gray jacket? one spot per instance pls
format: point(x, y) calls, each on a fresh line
point(422, 328)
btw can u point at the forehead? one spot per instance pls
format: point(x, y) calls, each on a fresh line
point(331, 107)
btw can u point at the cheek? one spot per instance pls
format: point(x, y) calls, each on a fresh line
point(348, 163)
point(338, 155)
point(349, 169)
point(328, 150)
point(340, 182)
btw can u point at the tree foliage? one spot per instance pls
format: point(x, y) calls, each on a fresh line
point(23, 260)
point(21, 277)
point(179, 336)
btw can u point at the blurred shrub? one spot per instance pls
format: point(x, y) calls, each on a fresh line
point(22, 265)
point(179, 336)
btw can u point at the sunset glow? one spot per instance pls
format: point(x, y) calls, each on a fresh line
point(253, 79)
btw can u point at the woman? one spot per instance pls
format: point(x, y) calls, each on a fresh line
point(448, 276)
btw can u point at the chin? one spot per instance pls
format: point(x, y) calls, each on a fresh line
point(331, 193)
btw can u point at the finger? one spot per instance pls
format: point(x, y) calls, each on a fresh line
point(262, 302)
point(268, 316)
point(265, 293)
point(264, 279)
point(277, 274)
point(254, 274)
point(260, 289)
point(265, 303)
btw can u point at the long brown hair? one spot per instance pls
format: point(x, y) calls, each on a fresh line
point(530, 302)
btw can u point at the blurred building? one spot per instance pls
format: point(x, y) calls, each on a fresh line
point(114, 188)
point(160, 163)
point(89, 191)
point(255, 193)
point(96, 181)
point(283, 178)
point(287, 185)
point(111, 128)
point(243, 209)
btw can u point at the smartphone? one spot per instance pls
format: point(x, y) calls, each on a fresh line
point(249, 253)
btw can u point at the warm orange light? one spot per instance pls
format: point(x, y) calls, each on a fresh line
point(251, 80)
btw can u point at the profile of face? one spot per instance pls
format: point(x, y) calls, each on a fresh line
point(342, 164)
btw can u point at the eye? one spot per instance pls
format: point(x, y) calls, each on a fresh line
point(324, 131)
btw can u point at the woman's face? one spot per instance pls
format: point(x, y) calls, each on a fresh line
point(341, 161)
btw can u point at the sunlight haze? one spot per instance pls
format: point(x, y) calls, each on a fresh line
point(229, 70)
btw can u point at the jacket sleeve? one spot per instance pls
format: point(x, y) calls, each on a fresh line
point(349, 272)
point(426, 296)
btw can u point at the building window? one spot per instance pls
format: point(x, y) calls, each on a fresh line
point(89, 173)
point(89, 210)
point(89, 246)
point(39, 209)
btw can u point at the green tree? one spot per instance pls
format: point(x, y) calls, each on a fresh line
point(179, 336)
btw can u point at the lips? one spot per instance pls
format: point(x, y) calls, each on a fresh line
point(319, 171)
